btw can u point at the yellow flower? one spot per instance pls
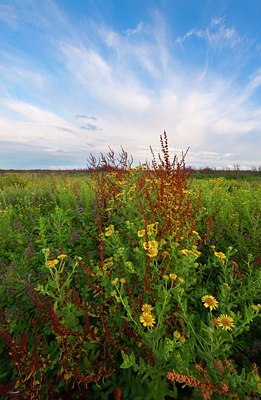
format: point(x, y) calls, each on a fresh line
point(108, 264)
point(147, 245)
point(150, 228)
point(147, 319)
point(173, 276)
point(210, 301)
point(196, 234)
point(51, 263)
point(154, 243)
point(62, 256)
point(166, 277)
point(256, 307)
point(225, 322)
point(196, 253)
point(115, 281)
point(147, 308)
point(220, 255)
point(165, 254)
point(176, 334)
point(141, 233)
point(122, 280)
point(153, 252)
point(184, 252)
point(109, 230)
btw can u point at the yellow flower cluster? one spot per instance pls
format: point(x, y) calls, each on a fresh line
point(194, 252)
point(147, 318)
point(150, 229)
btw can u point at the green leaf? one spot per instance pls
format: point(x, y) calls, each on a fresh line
point(128, 360)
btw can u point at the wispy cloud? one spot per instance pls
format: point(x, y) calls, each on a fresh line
point(217, 34)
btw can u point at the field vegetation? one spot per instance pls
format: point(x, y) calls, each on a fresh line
point(132, 283)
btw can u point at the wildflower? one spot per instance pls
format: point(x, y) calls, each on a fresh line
point(109, 230)
point(176, 334)
point(220, 255)
point(122, 280)
point(165, 254)
point(62, 256)
point(108, 264)
point(196, 234)
point(166, 277)
point(141, 233)
point(51, 263)
point(233, 264)
point(184, 252)
point(256, 307)
point(225, 322)
point(147, 245)
point(147, 308)
point(154, 243)
point(150, 228)
point(115, 281)
point(196, 253)
point(173, 276)
point(153, 252)
point(147, 319)
point(210, 301)
point(46, 252)
point(129, 266)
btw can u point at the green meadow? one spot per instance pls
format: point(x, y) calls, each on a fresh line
point(130, 283)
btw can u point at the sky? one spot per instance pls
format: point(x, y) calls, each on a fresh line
point(80, 76)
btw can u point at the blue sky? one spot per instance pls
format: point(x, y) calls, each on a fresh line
point(77, 76)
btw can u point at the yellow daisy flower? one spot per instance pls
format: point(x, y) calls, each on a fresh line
point(210, 301)
point(173, 276)
point(147, 308)
point(141, 233)
point(51, 263)
point(153, 252)
point(225, 322)
point(62, 256)
point(220, 255)
point(147, 319)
